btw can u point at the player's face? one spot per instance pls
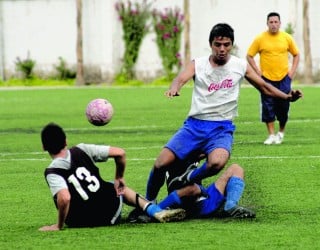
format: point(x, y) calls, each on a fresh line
point(273, 24)
point(221, 47)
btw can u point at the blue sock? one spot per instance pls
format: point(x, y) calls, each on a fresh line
point(172, 199)
point(152, 209)
point(155, 182)
point(199, 173)
point(234, 190)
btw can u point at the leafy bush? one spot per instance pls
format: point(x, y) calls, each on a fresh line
point(63, 71)
point(25, 66)
point(35, 82)
point(168, 28)
point(122, 80)
point(134, 18)
point(289, 29)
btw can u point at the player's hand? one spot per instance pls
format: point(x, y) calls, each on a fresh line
point(295, 95)
point(171, 93)
point(53, 227)
point(119, 185)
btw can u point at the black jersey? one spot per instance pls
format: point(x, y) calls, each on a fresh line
point(94, 202)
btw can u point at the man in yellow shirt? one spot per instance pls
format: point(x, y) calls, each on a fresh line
point(273, 47)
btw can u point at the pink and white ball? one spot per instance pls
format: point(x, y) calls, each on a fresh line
point(99, 112)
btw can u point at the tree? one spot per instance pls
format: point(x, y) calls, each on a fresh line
point(308, 78)
point(186, 31)
point(80, 72)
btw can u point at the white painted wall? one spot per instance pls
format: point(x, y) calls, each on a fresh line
point(47, 30)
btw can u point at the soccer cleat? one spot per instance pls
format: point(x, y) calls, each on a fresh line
point(182, 180)
point(270, 140)
point(167, 215)
point(240, 212)
point(138, 216)
point(134, 214)
point(279, 138)
point(144, 218)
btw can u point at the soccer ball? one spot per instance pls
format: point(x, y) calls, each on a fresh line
point(99, 112)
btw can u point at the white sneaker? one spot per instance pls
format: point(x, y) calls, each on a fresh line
point(270, 140)
point(279, 138)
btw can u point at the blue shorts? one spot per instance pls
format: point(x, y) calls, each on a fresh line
point(275, 108)
point(201, 136)
point(210, 204)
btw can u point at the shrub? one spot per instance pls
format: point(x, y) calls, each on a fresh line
point(25, 66)
point(134, 18)
point(63, 71)
point(168, 28)
point(34, 81)
point(289, 29)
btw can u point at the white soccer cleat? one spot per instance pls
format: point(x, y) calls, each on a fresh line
point(279, 138)
point(167, 215)
point(270, 140)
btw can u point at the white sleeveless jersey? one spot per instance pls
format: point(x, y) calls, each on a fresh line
point(216, 89)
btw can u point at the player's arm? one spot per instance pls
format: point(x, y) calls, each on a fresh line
point(253, 50)
point(253, 64)
point(119, 156)
point(63, 204)
point(183, 77)
point(254, 79)
point(294, 66)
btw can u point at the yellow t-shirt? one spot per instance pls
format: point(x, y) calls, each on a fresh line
point(273, 50)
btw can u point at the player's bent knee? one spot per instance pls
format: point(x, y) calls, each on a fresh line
point(236, 169)
point(165, 159)
point(215, 168)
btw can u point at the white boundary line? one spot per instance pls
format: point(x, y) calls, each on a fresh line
point(152, 159)
point(156, 126)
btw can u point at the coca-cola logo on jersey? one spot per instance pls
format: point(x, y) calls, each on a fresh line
point(225, 84)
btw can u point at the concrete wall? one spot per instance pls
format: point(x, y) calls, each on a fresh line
point(46, 30)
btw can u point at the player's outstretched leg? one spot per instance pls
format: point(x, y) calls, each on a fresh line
point(165, 215)
point(168, 215)
point(145, 211)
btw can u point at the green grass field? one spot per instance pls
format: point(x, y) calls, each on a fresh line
point(282, 181)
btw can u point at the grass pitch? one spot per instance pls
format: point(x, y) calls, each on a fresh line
point(282, 181)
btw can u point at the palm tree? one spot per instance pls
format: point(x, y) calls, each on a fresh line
point(80, 72)
point(308, 78)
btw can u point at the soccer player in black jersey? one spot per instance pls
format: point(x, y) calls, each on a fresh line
point(81, 196)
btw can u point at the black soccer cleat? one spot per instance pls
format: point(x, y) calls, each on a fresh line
point(182, 180)
point(138, 216)
point(241, 213)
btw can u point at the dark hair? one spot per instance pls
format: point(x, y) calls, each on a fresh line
point(53, 138)
point(221, 30)
point(273, 14)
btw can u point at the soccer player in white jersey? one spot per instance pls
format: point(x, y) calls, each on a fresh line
point(209, 126)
